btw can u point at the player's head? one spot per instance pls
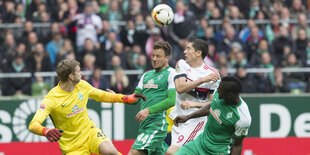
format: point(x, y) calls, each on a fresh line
point(160, 55)
point(229, 89)
point(195, 49)
point(69, 70)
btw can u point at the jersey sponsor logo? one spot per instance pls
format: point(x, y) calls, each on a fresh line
point(81, 96)
point(229, 115)
point(160, 77)
point(42, 107)
point(216, 114)
point(75, 110)
point(150, 84)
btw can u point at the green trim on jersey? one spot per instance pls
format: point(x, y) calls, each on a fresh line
point(165, 104)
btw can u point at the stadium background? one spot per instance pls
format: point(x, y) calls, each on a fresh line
point(251, 39)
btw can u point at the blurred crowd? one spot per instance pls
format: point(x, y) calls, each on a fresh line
point(118, 35)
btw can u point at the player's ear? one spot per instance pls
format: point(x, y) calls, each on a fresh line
point(70, 76)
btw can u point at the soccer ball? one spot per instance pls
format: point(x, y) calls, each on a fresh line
point(162, 15)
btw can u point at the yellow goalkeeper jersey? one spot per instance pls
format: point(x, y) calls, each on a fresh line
point(68, 112)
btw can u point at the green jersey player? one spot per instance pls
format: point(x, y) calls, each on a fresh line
point(158, 86)
point(228, 122)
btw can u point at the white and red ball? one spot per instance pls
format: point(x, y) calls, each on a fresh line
point(162, 15)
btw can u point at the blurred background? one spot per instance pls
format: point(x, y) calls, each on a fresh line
point(265, 43)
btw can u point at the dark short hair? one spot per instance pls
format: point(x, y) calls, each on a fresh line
point(232, 84)
point(199, 44)
point(65, 68)
point(163, 45)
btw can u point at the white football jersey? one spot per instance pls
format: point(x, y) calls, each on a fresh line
point(200, 93)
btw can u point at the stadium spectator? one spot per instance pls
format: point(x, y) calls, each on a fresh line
point(302, 24)
point(39, 60)
point(272, 29)
point(209, 36)
point(297, 9)
point(110, 41)
point(113, 15)
point(39, 87)
point(20, 11)
point(66, 49)
point(256, 58)
point(16, 86)
point(246, 31)
point(88, 63)
point(155, 35)
point(89, 25)
point(7, 49)
point(27, 28)
point(201, 26)
point(280, 42)
point(252, 41)
point(249, 84)
point(128, 34)
point(98, 80)
point(53, 47)
point(301, 44)
point(296, 81)
point(89, 48)
point(228, 39)
point(9, 15)
point(234, 13)
point(69, 20)
point(277, 84)
point(119, 82)
point(285, 17)
point(32, 41)
point(239, 60)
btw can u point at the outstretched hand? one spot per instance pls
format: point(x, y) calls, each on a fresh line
point(133, 98)
point(180, 119)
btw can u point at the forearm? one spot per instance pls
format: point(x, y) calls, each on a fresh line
point(199, 104)
point(165, 104)
point(236, 150)
point(204, 111)
point(36, 127)
point(111, 98)
point(187, 86)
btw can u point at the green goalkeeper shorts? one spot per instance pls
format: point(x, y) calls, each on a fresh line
point(151, 138)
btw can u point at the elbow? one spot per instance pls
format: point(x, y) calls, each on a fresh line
point(31, 127)
point(179, 90)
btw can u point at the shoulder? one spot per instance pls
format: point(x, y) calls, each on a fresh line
point(83, 83)
point(209, 68)
point(181, 64)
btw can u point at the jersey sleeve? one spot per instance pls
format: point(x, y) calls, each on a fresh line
point(171, 76)
point(46, 107)
point(242, 128)
point(140, 84)
point(180, 69)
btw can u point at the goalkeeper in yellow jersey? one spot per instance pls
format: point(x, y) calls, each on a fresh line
point(66, 106)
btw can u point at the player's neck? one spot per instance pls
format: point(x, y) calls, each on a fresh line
point(66, 86)
point(196, 63)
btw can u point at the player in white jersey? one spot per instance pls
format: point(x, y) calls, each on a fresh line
point(195, 83)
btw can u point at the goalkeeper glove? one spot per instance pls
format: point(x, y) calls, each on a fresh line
point(133, 98)
point(52, 135)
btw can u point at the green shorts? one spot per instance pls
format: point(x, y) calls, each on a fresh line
point(151, 138)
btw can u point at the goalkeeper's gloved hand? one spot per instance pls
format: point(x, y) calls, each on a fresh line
point(133, 98)
point(53, 134)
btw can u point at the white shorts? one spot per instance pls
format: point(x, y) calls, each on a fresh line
point(187, 131)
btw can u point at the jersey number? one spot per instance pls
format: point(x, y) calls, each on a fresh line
point(142, 138)
point(180, 138)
